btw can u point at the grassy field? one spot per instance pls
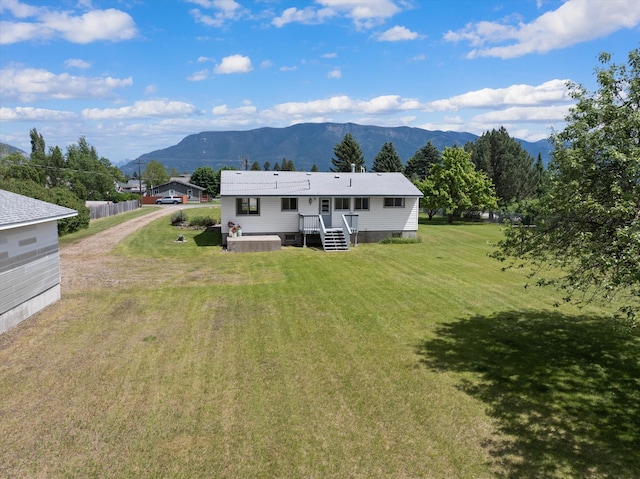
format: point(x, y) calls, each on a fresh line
point(388, 361)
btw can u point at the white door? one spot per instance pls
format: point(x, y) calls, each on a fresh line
point(325, 211)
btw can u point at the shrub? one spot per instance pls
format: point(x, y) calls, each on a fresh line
point(202, 221)
point(178, 217)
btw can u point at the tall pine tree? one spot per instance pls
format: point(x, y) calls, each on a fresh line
point(420, 163)
point(387, 160)
point(347, 153)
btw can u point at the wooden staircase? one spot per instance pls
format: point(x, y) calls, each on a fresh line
point(334, 240)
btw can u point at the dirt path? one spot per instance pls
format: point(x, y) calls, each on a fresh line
point(87, 261)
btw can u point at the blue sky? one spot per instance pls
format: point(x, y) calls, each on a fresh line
point(133, 76)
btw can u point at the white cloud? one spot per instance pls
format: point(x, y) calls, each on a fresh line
point(141, 109)
point(364, 14)
point(336, 73)
point(307, 15)
point(34, 114)
point(29, 84)
point(151, 89)
point(234, 64)
point(240, 112)
point(203, 59)
point(200, 75)
point(521, 114)
point(18, 9)
point(575, 21)
point(76, 63)
point(330, 55)
point(548, 92)
point(95, 25)
point(398, 33)
point(288, 69)
point(343, 104)
point(223, 11)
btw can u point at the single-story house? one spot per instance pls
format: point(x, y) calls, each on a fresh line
point(298, 206)
point(176, 187)
point(29, 259)
point(132, 186)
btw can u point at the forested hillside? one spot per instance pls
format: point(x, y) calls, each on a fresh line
point(306, 144)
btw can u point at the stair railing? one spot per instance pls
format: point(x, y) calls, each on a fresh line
point(323, 231)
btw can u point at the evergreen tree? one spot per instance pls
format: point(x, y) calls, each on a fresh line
point(387, 160)
point(419, 164)
point(508, 165)
point(347, 153)
point(267, 166)
point(255, 166)
point(314, 168)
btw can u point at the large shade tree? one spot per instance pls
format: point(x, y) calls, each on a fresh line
point(587, 222)
point(205, 177)
point(347, 153)
point(455, 185)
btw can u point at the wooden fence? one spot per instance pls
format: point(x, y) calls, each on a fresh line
point(110, 209)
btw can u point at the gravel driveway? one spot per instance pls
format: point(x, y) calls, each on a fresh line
point(85, 262)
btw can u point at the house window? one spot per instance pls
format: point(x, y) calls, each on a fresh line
point(341, 203)
point(247, 206)
point(289, 204)
point(394, 202)
point(361, 203)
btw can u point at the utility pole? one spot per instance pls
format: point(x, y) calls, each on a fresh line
point(244, 162)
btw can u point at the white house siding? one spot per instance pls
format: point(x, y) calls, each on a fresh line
point(273, 220)
point(379, 218)
point(29, 271)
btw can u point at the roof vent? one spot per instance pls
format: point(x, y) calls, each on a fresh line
point(337, 176)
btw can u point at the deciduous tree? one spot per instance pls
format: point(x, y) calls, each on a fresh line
point(154, 174)
point(587, 223)
point(205, 177)
point(455, 185)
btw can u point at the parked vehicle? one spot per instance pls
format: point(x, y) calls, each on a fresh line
point(169, 200)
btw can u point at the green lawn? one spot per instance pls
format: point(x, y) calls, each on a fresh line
point(398, 360)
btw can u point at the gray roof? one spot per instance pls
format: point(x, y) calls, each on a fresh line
point(300, 183)
point(182, 182)
point(18, 210)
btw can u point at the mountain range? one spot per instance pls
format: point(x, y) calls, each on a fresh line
point(305, 144)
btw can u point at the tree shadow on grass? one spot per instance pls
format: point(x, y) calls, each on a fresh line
point(208, 238)
point(564, 390)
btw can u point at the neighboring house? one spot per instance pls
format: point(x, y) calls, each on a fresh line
point(176, 187)
point(365, 207)
point(132, 186)
point(29, 259)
